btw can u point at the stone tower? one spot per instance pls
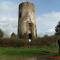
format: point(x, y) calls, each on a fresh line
point(26, 21)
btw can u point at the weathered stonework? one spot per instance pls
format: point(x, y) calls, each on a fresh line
point(26, 21)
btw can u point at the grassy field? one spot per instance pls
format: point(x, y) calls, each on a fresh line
point(26, 51)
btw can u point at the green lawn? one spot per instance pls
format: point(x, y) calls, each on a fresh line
point(25, 51)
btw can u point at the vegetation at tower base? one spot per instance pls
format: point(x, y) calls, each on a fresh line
point(57, 29)
point(45, 41)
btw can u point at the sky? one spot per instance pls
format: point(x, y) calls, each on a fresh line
point(47, 15)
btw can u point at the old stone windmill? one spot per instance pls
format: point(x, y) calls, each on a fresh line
point(26, 21)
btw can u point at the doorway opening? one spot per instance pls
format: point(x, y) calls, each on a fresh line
point(30, 36)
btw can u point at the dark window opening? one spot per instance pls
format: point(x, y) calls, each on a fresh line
point(30, 36)
point(30, 24)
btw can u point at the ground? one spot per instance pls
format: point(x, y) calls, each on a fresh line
point(28, 53)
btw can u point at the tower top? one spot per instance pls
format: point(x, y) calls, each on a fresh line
point(26, 3)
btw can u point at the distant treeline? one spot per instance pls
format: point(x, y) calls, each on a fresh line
point(45, 41)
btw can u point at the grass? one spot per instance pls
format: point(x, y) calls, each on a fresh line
point(25, 51)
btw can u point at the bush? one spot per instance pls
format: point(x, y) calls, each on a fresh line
point(6, 42)
point(39, 42)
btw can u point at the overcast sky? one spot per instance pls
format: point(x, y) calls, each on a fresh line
point(47, 15)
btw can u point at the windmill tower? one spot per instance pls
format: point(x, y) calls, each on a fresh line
point(26, 21)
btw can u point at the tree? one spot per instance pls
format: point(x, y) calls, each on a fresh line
point(46, 35)
point(1, 33)
point(13, 35)
point(57, 29)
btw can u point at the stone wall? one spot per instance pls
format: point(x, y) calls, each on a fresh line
point(26, 21)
